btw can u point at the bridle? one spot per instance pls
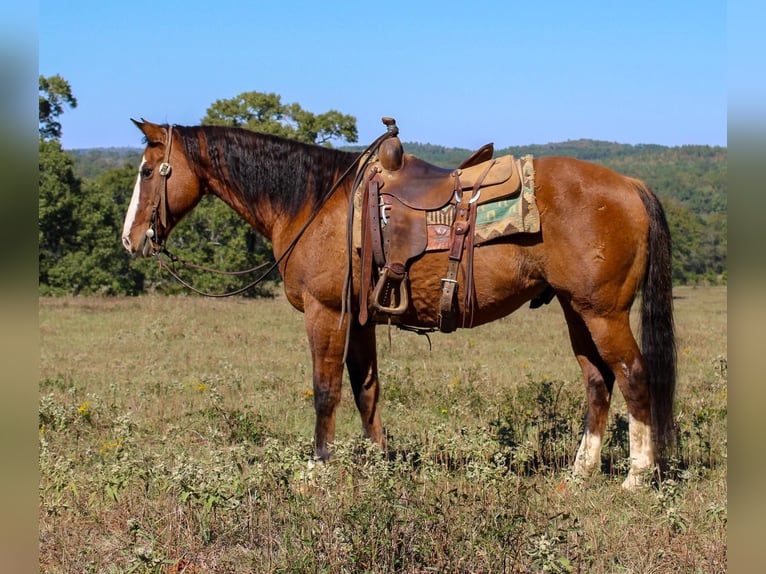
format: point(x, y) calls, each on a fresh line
point(157, 247)
point(161, 199)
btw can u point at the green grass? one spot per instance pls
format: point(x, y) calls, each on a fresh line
point(175, 435)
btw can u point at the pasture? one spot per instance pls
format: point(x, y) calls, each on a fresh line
point(176, 433)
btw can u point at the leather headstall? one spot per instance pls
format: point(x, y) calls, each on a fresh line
point(161, 197)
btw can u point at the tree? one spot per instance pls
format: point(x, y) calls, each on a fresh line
point(265, 113)
point(55, 91)
point(699, 245)
point(79, 229)
point(58, 187)
point(59, 190)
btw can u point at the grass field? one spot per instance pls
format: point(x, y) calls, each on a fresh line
point(175, 436)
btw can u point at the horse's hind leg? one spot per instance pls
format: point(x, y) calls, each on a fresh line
point(618, 349)
point(599, 382)
point(362, 364)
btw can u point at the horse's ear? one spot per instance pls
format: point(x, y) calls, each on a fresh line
point(154, 133)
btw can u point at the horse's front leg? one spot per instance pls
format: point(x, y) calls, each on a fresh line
point(326, 341)
point(362, 364)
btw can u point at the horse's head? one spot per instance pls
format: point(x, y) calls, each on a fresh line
point(166, 189)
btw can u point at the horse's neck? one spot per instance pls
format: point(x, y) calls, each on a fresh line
point(269, 215)
point(260, 218)
point(271, 182)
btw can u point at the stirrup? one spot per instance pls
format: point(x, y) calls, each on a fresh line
point(386, 277)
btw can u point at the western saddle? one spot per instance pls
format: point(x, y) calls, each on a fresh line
point(398, 191)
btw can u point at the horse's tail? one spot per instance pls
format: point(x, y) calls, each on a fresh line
point(658, 344)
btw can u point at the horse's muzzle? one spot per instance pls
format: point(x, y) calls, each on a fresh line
point(144, 248)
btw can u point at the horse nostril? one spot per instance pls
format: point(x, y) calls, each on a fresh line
point(126, 242)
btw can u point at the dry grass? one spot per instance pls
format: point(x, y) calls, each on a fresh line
point(175, 435)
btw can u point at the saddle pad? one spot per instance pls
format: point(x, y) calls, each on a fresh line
point(512, 215)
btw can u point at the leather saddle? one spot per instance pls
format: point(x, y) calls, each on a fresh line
point(398, 192)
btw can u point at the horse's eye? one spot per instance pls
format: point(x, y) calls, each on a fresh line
point(146, 172)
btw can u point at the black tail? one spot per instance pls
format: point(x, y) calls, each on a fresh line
point(658, 344)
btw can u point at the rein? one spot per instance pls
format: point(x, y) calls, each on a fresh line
point(159, 249)
point(172, 272)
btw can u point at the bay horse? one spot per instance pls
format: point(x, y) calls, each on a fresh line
point(603, 237)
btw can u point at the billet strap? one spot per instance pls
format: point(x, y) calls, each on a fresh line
point(460, 226)
point(461, 239)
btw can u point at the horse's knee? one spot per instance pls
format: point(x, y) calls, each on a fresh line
point(325, 402)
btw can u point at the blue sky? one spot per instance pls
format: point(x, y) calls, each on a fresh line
point(452, 73)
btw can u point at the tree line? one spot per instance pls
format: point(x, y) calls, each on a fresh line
point(83, 195)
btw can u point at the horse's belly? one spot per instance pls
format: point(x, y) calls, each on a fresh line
point(503, 282)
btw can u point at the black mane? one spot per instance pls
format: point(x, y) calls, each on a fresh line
point(288, 172)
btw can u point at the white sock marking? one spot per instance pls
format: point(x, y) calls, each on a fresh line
point(588, 455)
point(641, 453)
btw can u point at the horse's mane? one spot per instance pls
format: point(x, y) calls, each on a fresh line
point(289, 172)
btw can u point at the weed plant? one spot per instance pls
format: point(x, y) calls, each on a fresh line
point(175, 436)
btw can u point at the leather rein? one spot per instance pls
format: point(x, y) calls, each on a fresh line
point(160, 210)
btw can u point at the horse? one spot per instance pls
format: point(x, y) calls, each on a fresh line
point(603, 238)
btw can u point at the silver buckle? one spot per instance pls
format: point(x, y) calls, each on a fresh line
point(164, 169)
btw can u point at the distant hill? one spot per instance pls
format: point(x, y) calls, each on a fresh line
point(693, 175)
point(92, 162)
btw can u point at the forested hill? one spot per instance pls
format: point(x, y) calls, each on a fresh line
point(91, 163)
point(693, 175)
point(690, 181)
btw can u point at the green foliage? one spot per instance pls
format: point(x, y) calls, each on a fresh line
point(89, 258)
point(265, 113)
point(59, 194)
point(79, 229)
point(699, 245)
point(55, 92)
point(541, 424)
point(97, 264)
